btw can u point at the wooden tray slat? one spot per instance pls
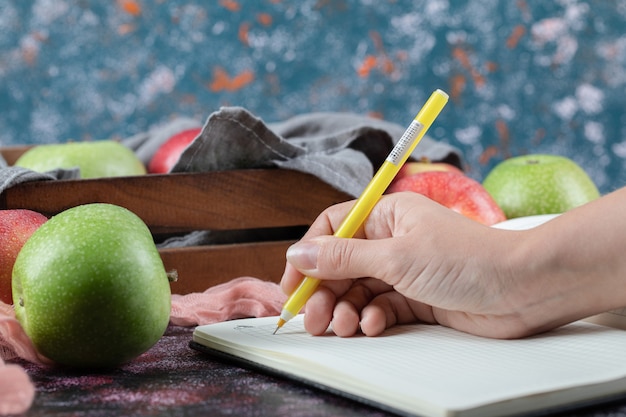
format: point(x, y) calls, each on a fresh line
point(224, 200)
point(201, 267)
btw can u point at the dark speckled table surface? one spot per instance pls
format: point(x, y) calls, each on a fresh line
point(171, 379)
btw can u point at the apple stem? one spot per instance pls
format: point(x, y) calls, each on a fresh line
point(172, 276)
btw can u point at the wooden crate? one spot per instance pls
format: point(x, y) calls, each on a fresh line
point(277, 205)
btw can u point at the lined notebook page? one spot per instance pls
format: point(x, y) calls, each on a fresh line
point(443, 367)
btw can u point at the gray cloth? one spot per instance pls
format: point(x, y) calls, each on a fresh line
point(341, 149)
point(10, 176)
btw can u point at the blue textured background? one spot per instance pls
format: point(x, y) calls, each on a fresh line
point(524, 76)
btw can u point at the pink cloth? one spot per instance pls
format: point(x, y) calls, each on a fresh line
point(13, 341)
point(16, 389)
point(241, 297)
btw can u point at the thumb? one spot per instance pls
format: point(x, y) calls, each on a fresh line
point(333, 258)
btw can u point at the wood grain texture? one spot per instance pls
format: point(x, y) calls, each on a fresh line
point(224, 200)
point(201, 267)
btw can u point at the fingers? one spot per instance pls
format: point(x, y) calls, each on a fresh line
point(324, 225)
point(392, 308)
point(347, 313)
point(290, 280)
point(319, 311)
point(343, 313)
point(329, 220)
point(371, 307)
point(302, 257)
point(331, 258)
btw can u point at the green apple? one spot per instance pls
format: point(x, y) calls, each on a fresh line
point(90, 289)
point(102, 158)
point(539, 184)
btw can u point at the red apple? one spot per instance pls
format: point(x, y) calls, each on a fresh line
point(16, 226)
point(455, 191)
point(169, 152)
point(424, 165)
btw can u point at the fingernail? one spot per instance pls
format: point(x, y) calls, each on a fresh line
point(303, 255)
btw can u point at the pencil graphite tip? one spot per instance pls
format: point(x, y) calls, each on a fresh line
point(280, 324)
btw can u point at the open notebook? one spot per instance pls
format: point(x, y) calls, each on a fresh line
point(431, 370)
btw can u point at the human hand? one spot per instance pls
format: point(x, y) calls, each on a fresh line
point(413, 260)
point(417, 261)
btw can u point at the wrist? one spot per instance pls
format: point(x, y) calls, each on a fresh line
point(554, 281)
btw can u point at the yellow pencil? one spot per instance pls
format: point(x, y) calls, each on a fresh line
point(372, 193)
